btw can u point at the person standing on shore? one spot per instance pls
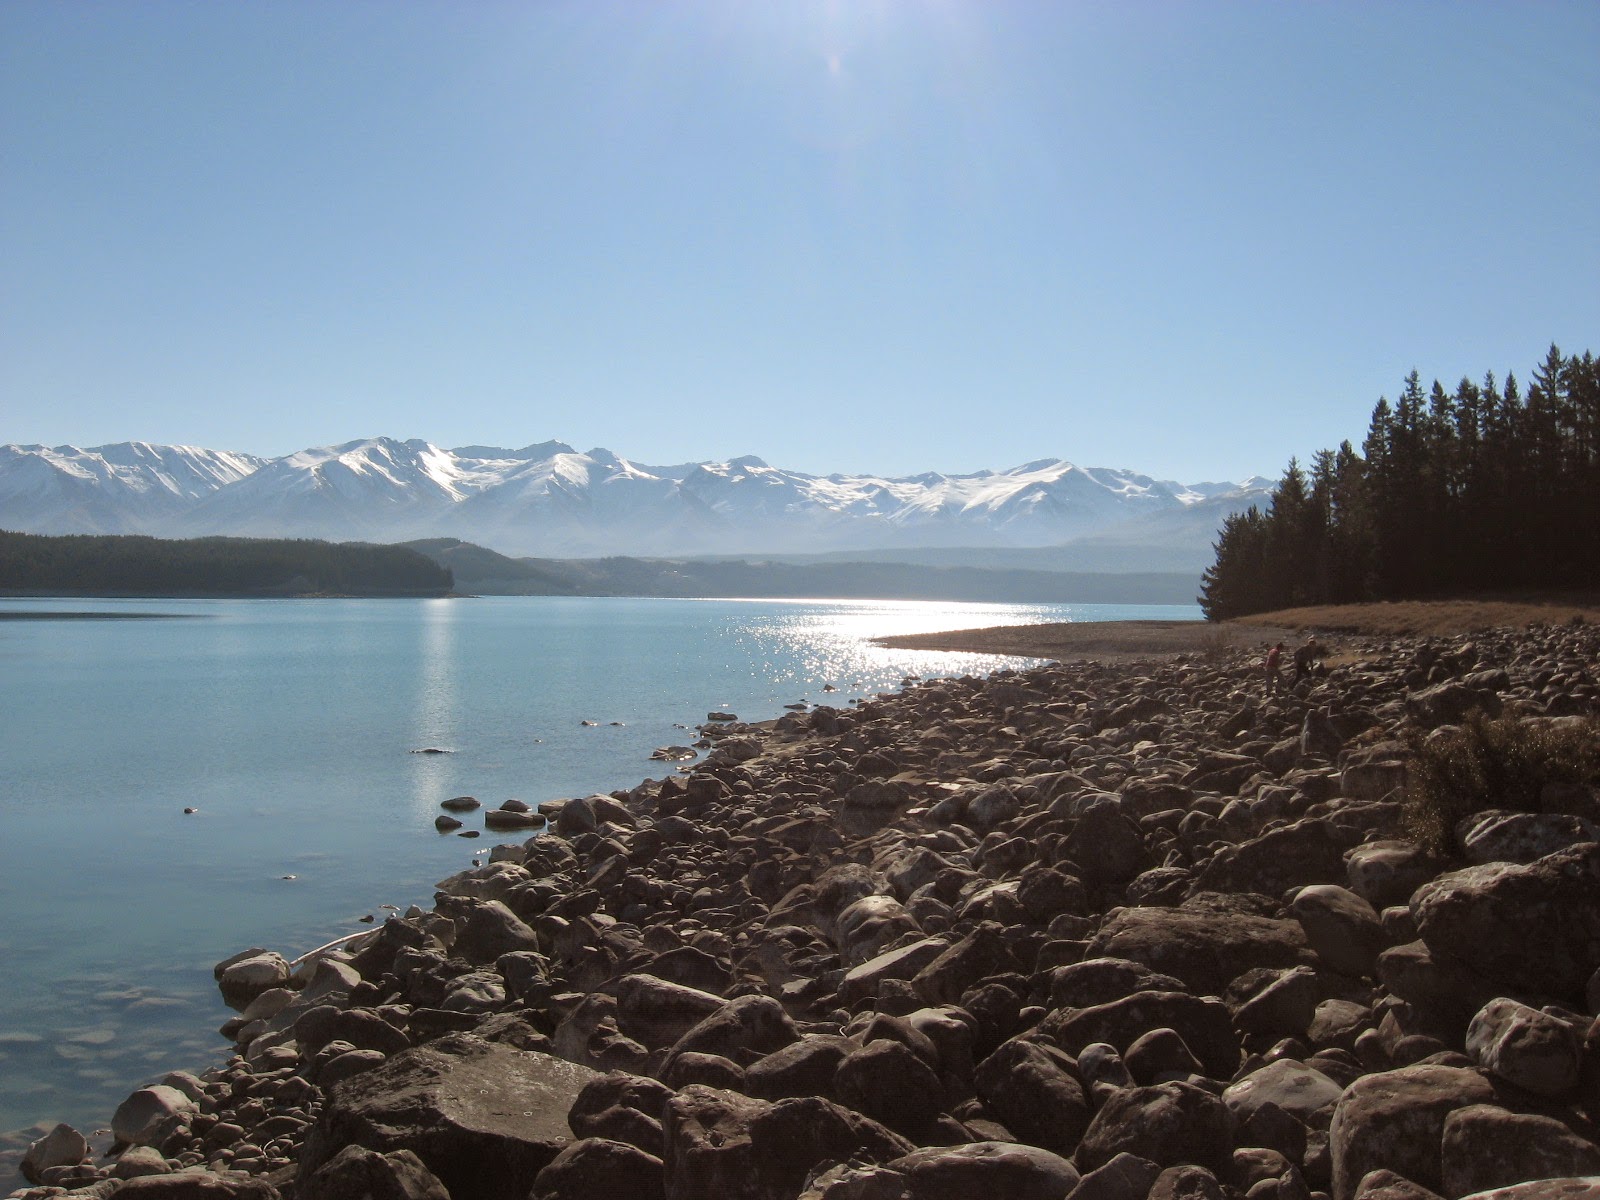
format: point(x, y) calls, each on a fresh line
point(1305, 657)
point(1274, 661)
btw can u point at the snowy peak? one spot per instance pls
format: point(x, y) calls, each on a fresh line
point(548, 498)
point(127, 487)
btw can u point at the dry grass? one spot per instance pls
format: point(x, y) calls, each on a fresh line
point(1106, 641)
point(1436, 618)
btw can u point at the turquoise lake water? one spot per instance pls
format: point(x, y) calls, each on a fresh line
point(288, 725)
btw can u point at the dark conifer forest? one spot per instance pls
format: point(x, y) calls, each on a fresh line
point(1484, 488)
point(143, 566)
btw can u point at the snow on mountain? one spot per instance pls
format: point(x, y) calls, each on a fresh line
point(128, 487)
point(550, 499)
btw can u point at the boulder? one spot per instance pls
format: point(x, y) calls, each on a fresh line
point(1448, 991)
point(1102, 980)
point(1125, 1177)
point(1036, 1093)
point(194, 1184)
point(483, 1117)
point(1206, 950)
point(1584, 1188)
point(148, 1115)
point(656, 1013)
point(1284, 1005)
point(1524, 1046)
point(597, 1169)
point(1341, 928)
point(865, 927)
point(732, 1147)
point(803, 1068)
point(1202, 1022)
point(487, 929)
point(1486, 1147)
point(1186, 1183)
point(1385, 873)
point(1386, 1185)
point(901, 963)
point(358, 1172)
point(1159, 1055)
point(1171, 1124)
point(1296, 1088)
point(1105, 845)
point(138, 1161)
point(742, 1028)
point(623, 1108)
point(244, 977)
point(991, 1169)
point(1308, 851)
point(888, 1082)
point(63, 1146)
point(792, 1137)
point(1521, 837)
point(1394, 1120)
point(1533, 927)
point(982, 953)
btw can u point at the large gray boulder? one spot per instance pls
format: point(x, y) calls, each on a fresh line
point(1526, 1047)
point(993, 1169)
point(1485, 1147)
point(358, 1172)
point(1207, 950)
point(1385, 873)
point(245, 976)
point(1171, 1124)
point(149, 1114)
point(598, 1169)
point(732, 1147)
point(1341, 928)
point(1521, 837)
point(1308, 851)
point(1296, 1088)
point(483, 1117)
point(1035, 1092)
point(1533, 927)
point(1201, 1021)
point(1395, 1120)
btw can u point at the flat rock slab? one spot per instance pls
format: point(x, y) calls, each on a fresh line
point(483, 1117)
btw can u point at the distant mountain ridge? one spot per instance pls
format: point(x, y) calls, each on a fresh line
point(549, 499)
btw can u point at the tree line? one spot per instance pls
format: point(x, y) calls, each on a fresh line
point(215, 566)
point(1486, 488)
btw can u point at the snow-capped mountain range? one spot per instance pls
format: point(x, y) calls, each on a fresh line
point(550, 500)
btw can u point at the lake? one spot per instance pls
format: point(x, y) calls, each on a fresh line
point(288, 725)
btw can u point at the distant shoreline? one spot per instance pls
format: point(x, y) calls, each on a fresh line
point(1125, 641)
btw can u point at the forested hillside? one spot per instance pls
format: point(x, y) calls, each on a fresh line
point(1481, 489)
point(479, 570)
point(144, 566)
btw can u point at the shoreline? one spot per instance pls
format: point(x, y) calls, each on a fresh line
point(783, 900)
point(1128, 641)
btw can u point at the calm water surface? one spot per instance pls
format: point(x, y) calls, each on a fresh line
point(288, 724)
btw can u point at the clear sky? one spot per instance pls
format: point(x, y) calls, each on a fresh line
point(847, 235)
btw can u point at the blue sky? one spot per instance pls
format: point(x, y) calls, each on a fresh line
point(847, 235)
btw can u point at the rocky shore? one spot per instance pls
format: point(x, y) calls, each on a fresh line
point(1107, 930)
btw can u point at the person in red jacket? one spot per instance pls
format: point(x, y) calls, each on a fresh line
point(1274, 662)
